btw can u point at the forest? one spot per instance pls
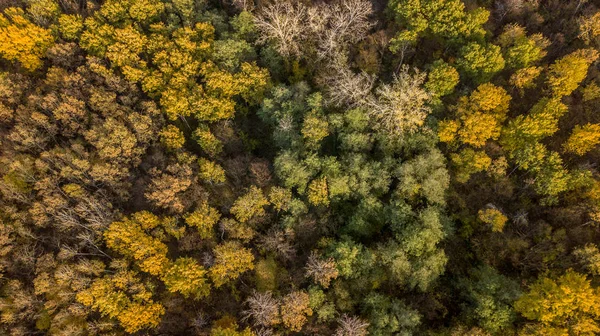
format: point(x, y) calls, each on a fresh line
point(300, 167)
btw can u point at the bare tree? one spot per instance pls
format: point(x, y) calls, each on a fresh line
point(322, 271)
point(400, 106)
point(282, 23)
point(346, 88)
point(328, 29)
point(242, 5)
point(348, 22)
point(351, 326)
point(263, 308)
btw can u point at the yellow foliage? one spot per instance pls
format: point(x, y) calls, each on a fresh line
point(478, 128)
point(109, 296)
point(21, 40)
point(583, 139)
point(210, 171)
point(294, 310)
point(204, 219)
point(318, 192)
point(186, 277)
point(128, 238)
point(566, 73)
point(493, 217)
point(566, 306)
point(172, 137)
point(231, 260)
point(250, 205)
point(447, 130)
point(524, 78)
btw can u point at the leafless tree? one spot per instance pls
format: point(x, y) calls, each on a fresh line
point(242, 4)
point(400, 106)
point(351, 326)
point(263, 309)
point(326, 28)
point(347, 88)
point(280, 242)
point(322, 271)
point(348, 22)
point(282, 23)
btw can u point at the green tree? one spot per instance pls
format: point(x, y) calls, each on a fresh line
point(480, 62)
point(520, 50)
point(441, 79)
point(490, 297)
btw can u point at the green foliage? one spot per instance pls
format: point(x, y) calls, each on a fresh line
point(489, 299)
point(390, 316)
point(445, 19)
point(441, 79)
point(480, 62)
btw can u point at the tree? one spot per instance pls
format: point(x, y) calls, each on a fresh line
point(469, 162)
point(172, 137)
point(186, 277)
point(589, 28)
point(249, 205)
point(21, 40)
point(446, 19)
point(231, 260)
point(565, 74)
point(389, 316)
point(204, 219)
point(480, 62)
point(568, 305)
point(263, 308)
point(109, 295)
point(317, 192)
point(583, 139)
point(320, 270)
point(490, 296)
point(520, 50)
point(493, 217)
point(294, 310)
point(351, 326)
point(129, 238)
point(589, 257)
point(441, 79)
point(400, 107)
point(210, 171)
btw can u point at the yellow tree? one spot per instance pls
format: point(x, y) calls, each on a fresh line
point(566, 306)
point(129, 238)
point(231, 260)
point(124, 297)
point(186, 277)
point(583, 139)
point(204, 219)
point(294, 310)
point(249, 205)
point(21, 40)
point(566, 73)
